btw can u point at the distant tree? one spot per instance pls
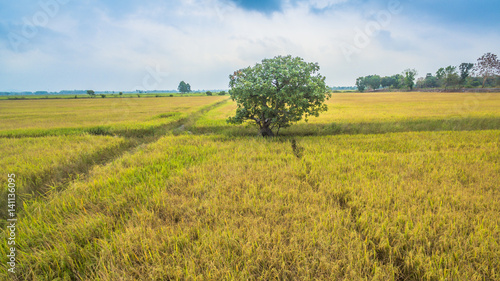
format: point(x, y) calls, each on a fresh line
point(361, 84)
point(372, 81)
point(487, 66)
point(465, 71)
point(91, 93)
point(449, 76)
point(398, 81)
point(121, 93)
point(222, 93)
point(385, 82)
point(420, 84)
point(208, 93)
point(440, 74)
point(184, 87)
point(103, 95)
point(431, 81)
point(278, 92)
point(388, 81)
point(475, 82)
point(409, 78)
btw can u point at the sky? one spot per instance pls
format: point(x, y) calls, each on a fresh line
point(127, 45)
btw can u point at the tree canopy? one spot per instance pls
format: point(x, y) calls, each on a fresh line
point(278, 92)
point(409, 78)
point(184, 87)
point(487, 66)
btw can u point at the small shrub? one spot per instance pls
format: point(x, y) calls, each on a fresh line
point(98, 131)
point(208, 93)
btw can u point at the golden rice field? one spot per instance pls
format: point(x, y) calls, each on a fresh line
point(383, 186)
point(20, 118)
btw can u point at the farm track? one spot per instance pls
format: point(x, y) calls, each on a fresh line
point(45, 182)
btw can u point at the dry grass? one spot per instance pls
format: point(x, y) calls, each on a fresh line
point(415, 204)
point(75, 113)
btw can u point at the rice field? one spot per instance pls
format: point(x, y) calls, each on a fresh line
point(21, 118)
point(383, 186)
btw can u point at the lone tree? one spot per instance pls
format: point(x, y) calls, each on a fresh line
point(91, 93)
point(184, 87)
point(278, 92)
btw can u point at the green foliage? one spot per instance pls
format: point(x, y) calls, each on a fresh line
point(361, 84)
point(431, 81)
point(373, 81)
point(222, 93)
point(451, 77)
point(440, 73)
point(208, 93)
point(448, 77)
point(278, 92)
point(91, 93)
point(386, 82)
point(393, 81)
point(103, 95)
point(184, 87)
point(465, 71)
point(409, 78)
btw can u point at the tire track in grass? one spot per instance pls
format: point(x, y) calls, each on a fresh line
point(54, 179)
point(81, 170)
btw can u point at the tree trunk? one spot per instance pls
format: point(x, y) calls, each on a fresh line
point(266, 132)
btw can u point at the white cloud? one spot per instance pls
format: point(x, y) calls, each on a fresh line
point(202, 42)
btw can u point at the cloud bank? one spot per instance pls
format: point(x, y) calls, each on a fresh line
point(125, 45)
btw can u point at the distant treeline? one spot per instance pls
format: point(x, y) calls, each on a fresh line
point(343, 88)
point(43, 93)
point(84, 92)
point(484, 73)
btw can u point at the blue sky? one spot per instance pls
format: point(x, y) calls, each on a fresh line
point(125, 45)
